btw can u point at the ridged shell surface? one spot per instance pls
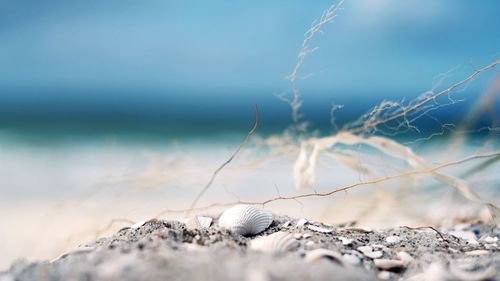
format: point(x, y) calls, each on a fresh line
point(245, 220)
point(274, 243)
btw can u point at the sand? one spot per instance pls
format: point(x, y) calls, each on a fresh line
point(171, 250)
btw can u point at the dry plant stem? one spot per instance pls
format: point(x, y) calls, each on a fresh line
point(433, 97)
point(214, 175)
point(495, 154)
point(295, 102)
point(431, 228)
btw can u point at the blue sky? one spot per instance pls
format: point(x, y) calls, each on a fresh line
point(235, 52)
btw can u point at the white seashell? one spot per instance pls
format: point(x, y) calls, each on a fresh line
point(274, 243)
point(318, 254)
point(319, 229)
point(391, 240)
point(245, 220)
point(386, 264)
point(301, 222)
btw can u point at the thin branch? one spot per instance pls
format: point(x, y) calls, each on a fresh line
point(214, 175)
point(495, 154)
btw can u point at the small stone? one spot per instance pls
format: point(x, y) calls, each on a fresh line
point(301, 222)
point(286, 224)
point(384, 275)
point(391, 240)
point(374, 255)
point(365, 249)
point(345, 241)
point(490, 240)
point(297, 235)
point(319, 229)
point(309, 243)
point(351, 259)
point(391, 265)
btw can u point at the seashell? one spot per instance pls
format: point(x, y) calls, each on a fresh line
point(391, 265)
point(274, 243)
point(319, 229)
point(318, 254)
point(245, 220)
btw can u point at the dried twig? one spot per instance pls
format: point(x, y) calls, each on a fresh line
point(416, 172)
point(214, 175)
point(431, 228)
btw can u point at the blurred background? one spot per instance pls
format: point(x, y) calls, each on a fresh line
point(120, 109)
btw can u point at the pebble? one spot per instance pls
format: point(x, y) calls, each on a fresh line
point(309, 243)
point(384, 275)
point(393, 239)
point(307, 235)
point(387, 264)
point(351, 259)
point(490, 240)
point(286, 224)
point(345, 241)
point(297, 235)
point(374, 255)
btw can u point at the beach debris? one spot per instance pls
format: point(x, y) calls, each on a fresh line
point(245, 220)
point(391, 240)
point(368, 252)
point(477, 253)
point(199, 222)
point(404, 257)
point(319, 254)
point(467, 270)
point(345, 241)
point(274, 243)
point(301, 222)
point(320, 229)
point(390, 265)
